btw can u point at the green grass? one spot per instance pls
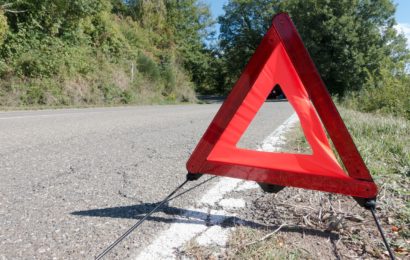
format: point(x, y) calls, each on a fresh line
point(109, 87)
point(384, 143)
point(242, 245)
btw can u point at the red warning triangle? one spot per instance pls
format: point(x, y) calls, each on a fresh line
point(282, 59)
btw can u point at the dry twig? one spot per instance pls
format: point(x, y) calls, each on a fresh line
point(266, 236)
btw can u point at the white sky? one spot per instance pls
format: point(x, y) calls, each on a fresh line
point(405, 29)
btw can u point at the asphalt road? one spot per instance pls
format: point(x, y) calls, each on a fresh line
point(72, 181)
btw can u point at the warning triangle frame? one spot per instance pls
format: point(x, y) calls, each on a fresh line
point(357, 182)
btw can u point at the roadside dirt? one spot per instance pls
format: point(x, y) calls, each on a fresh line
point(316, 224)
point(303, 224)
point(323, 225)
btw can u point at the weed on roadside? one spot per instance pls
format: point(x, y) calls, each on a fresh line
point(383, 142)
point(323, 225)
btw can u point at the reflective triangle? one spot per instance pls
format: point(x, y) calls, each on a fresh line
point(282, 59)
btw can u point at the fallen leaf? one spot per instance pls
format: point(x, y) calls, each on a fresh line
point(394, 229)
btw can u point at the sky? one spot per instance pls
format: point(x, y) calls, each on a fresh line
point(402, 18)
point(216, 9)
point(402, 14)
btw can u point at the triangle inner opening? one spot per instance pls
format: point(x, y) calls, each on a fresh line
point(278, 69)
point(275, 128)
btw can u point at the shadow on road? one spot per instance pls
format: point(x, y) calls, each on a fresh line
point(276, 100)
point(214, 99)
point(178, 215)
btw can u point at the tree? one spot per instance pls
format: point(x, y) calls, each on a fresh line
point(348, 40)
point(242, 28)
point(183, 26)
point(189, 22)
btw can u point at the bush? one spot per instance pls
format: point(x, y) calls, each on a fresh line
point(148, 67)
point(386, 95)
point(3, 26)
point(168, 75)
point(80, 52)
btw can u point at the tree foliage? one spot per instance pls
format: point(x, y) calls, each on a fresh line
point(183, 26)
point(349, 40)
point(242, 28)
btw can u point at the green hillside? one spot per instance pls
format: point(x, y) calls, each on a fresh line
point(101, 52)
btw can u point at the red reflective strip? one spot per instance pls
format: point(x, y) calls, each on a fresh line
point(282, 59)
point(320, 97)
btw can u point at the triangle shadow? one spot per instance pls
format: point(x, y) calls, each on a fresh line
point(179, 215)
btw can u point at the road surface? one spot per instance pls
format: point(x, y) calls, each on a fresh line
point(72, 181)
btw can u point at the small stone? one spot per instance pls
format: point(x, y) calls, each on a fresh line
point(369, 249)
point(355, 218)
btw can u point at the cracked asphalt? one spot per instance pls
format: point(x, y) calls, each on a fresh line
point(73, 180)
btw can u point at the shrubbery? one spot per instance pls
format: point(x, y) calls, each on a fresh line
point(82, 52)
point(3, 26)
point(386, 94)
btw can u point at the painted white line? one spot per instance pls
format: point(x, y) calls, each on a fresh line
point(215, 235)
point(219, 190)
point(205, 228)
point(50, 115)
point(276, 139)
point(232, 203)
point(247, 185)
point(179, 233)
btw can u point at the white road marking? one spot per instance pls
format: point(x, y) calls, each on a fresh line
point(247, 185)
point(208, 230)
point(215, 235)
point(52, 115)
point(232, 203)
point(219, 190)
point(179, 233)
point(276, 139)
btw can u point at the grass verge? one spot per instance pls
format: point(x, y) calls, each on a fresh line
point(327, 226)
point(383, 142)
